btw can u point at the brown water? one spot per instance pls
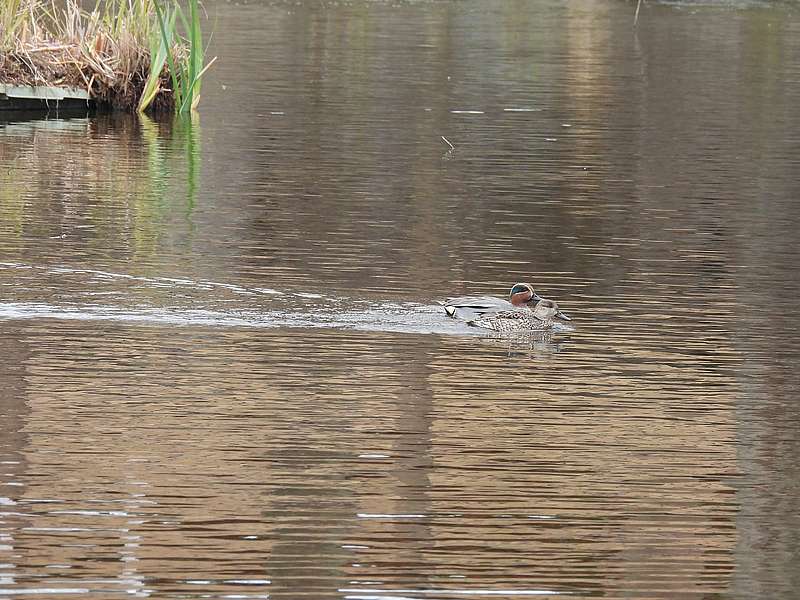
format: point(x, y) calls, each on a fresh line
point(224, 374)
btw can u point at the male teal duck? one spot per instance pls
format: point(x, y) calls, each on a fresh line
point(520, 319)
point(470, 308)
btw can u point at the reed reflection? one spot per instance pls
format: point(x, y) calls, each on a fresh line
point(88, 182)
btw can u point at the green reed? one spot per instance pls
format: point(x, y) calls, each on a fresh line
point(186, 68)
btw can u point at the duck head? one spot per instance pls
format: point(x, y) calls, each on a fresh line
point(546, 310)
point(522, 294)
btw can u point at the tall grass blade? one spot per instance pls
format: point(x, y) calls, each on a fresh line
point(183, 66)
point(159, 47)
point(166, 38)
point(192, 71)
point(196, 52)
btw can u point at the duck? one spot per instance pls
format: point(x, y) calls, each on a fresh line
point(471, 308)
point(520, 319)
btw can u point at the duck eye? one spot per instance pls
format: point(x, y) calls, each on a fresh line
point(518, 289)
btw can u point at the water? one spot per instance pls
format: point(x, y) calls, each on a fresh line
point(225, 374)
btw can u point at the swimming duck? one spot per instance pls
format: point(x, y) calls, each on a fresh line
point(470, 308)
point(520, 319)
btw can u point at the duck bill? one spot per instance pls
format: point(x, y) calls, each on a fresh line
point(562, 316)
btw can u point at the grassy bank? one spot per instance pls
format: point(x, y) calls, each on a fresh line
point(128, 54)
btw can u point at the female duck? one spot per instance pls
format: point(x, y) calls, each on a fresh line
point(516, 319)
point(470, 308)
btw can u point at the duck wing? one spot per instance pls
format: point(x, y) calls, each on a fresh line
point(469, 308)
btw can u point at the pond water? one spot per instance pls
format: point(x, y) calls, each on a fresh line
point(224, 373)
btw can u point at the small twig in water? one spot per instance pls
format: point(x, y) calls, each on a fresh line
point(446, 141)
point(636, 16)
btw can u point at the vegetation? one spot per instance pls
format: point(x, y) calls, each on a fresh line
point(128, 54)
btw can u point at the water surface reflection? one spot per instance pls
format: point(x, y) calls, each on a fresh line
point(314, 459)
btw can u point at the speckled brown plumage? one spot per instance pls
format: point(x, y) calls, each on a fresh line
point(521, 319)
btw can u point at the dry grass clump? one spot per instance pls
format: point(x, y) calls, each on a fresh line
point(106, 50)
